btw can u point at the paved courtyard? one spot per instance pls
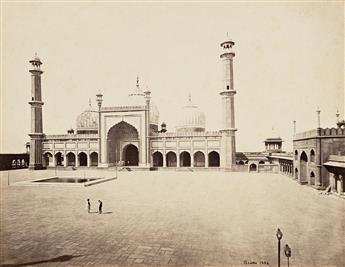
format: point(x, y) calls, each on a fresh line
point(169, 219)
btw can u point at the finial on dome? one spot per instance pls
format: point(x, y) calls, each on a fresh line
point(90, 102)
point(190, 98)
point(337, 114)
point(137, 81)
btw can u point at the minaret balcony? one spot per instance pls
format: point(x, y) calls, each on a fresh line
point(227, 55)
point(36, 71)
point(36, 103)
point(230, 92)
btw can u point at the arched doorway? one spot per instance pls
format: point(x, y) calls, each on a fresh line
point(312, 178)
point(199, 159)
point(122, 131)
point(58, 159)
point(261, 162)
point(130, 155)
point(213, 159)
point(312, 155)
point(70, 157)
point(184, 159)
point(48, 159)
point(241, 162)
point(303, 168)
point(94, 159)
point(171, 159)
point(252, 167)
point(296, 173)
point(82, 159)
point(157, 159)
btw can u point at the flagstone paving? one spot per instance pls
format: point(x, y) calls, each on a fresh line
point(168, 219)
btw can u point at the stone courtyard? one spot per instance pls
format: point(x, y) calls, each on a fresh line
point(168, 218)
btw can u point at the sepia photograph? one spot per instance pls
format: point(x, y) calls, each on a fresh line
point(172, 133)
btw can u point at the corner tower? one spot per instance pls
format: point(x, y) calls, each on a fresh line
point(228, 107)
point(36, 134)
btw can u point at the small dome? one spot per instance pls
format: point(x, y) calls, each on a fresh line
point(88, 120)
point(193, 119)
point(35, 59)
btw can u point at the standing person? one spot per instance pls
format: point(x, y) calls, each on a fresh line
point(88, 205)
point(100, 207)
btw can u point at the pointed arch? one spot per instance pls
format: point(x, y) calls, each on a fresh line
point(157, 159)
point(199, 159)
point(303, 167)
point(213, 159)
point(185, 160)
point(58, 159)
point(70, 159)
point(122, 131)
point(82, 157)
point(94, 159)
point(253, 167)
point(171, 159)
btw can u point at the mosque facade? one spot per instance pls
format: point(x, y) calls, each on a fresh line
point(129, 135)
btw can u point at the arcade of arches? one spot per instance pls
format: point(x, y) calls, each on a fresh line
point(185, 159)
point(71, 159)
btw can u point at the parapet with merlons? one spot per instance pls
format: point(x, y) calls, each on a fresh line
point(320, 132)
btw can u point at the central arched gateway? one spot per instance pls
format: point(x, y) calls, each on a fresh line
point(130, 155)
point(119, 133)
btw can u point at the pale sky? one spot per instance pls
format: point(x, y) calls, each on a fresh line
point(289, 60)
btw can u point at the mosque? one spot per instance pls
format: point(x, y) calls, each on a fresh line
point(129, 135)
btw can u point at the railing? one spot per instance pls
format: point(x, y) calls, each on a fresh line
point(186, 134)
point(70, 136)
point(123, 108)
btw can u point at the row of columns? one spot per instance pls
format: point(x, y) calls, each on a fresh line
point(178, 159)
point(273, 146)
point(53, 160)
point(286, 168)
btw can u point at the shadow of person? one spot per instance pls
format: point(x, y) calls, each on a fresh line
point(56, 259)
point(108, 212)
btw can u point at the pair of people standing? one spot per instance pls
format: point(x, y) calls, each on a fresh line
point(100, 206)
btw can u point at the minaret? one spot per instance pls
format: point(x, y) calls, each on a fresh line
point(99, 100)
point(147, 126)
point(228, 107)
point(318, 111)
point(36, 134)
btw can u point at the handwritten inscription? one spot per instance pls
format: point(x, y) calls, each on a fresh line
point(251, 262)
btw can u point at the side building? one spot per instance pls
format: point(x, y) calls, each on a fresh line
point(319, 158)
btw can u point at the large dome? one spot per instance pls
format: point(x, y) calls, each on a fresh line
point(87, 122)
point(192, 119)
point(137, 98)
